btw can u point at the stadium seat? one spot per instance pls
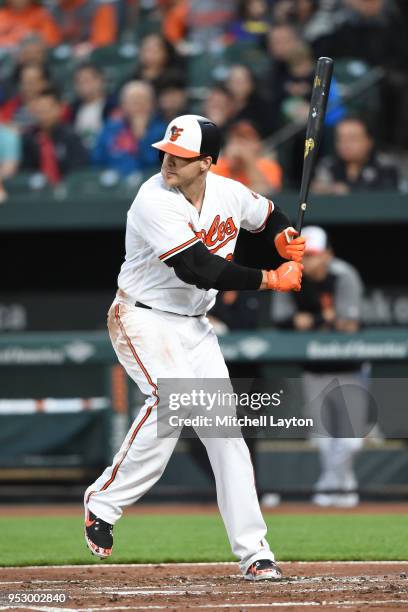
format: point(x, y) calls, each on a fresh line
point(93, 182)
point(88, 182)
point(24, 182)
point(117, 62)
point(62, 64)
point(200, 70)
point(147, 25)
point(248, 54)
point(348, 72)
point(6, 66)
point(205, 68)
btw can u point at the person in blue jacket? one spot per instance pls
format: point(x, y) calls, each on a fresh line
point(124, 144)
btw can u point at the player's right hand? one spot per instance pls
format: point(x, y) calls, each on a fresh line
point(290, 245)
point(288, 277)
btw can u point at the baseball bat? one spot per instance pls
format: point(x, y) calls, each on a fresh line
point(314, 130)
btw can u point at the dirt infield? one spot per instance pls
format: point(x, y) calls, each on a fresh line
point(328, 586)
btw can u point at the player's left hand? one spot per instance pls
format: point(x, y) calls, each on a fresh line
point(290, 247)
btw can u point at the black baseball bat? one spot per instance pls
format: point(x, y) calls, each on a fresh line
point(314, 129)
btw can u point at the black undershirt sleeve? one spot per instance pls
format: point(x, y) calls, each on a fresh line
point(277, 221)
point(197, 266)
point(257, 249)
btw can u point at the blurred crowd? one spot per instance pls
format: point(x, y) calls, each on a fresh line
point(247, 65)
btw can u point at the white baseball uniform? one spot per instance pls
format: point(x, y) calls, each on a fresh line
point(171, 341)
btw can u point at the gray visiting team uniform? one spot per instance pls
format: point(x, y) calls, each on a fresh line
point(343, 413)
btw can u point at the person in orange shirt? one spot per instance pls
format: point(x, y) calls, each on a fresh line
point(86, 23)
point(20, 18)
point(243, 160)
point(175, 17)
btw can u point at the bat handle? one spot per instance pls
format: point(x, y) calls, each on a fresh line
point(301, 214)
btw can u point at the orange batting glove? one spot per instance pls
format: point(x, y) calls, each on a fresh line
point(290, 247)
point(287, 277)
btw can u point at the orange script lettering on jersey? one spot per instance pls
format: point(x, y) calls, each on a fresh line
point(218, 234)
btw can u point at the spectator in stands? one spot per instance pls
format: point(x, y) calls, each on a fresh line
point(244, 160)
point(92, 106)
point(370, 26)
point(355, 166)
point(51, 147)
point(330, 300)
point(201, 24)
point(253, 22)
point(158, 62)
point(283, 39)
point(219, 107)
point(298, 85)
point(296, 90)
point(304, 11)
point(19, 18)
point(31, 50)
point(174, 20)
point(124, 144)
point(368, 29)
point(283, 42)
point(208, 21)
point(32, 80)
point(297, 12)
point(283, 11)
point(86, 24)
point(248, 103)
point(316, 18)
point(235, 310)
point(10, 154)
point(172, 99)
point(403, 10)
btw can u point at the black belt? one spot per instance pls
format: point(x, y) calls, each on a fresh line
point(140, 305)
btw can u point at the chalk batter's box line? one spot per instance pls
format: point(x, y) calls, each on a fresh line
point(199, 564)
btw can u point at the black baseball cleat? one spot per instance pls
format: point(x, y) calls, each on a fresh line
point(263, 569)
point(98, 536)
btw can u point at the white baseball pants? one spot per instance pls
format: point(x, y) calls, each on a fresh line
point(152, 345)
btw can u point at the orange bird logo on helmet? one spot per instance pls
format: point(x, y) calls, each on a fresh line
point(175, 133)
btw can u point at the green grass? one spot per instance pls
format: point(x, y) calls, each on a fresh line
point(161, 538)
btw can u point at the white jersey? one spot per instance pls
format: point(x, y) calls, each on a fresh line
point(162, 222)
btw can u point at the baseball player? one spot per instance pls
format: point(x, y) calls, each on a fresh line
point(331, 299)
point(181, 232)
